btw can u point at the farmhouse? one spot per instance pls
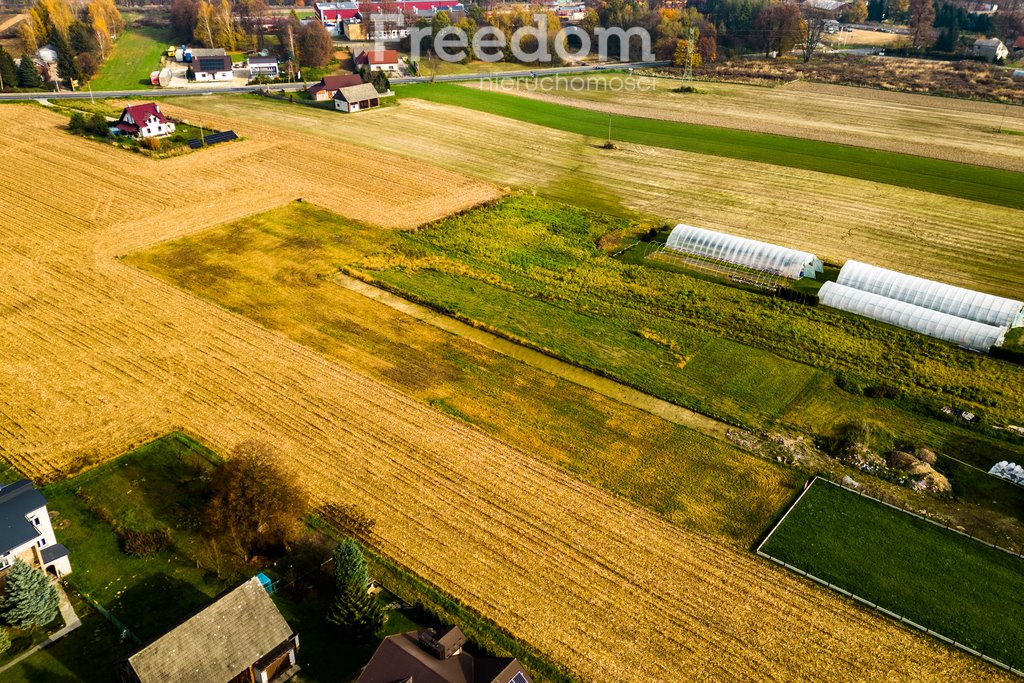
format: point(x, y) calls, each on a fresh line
point(379, 60)
point(351, 18)
point(356, 98)
point(211, 65)
point(992, 49)
point(328, 85)
point(435, 655)
point(26, 532)
point(144, 121)
point(239, 638)
point(262, 66)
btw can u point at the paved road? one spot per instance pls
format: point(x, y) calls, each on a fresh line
point(294, 87)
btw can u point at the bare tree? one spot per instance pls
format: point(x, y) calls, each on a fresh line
point(922, 16)
point(815, 21)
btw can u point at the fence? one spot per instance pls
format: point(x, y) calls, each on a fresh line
point(867, 603)
point(109, 616)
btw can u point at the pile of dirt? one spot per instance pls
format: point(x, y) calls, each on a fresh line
point(919, 471)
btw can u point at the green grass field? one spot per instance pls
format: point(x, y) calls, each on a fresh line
point(977, 183)
point(136, 54)
point(949, 583)
point(271, 268)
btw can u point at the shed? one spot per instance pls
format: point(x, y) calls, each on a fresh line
point(356, 98)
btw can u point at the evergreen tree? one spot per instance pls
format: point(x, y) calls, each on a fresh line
point(29, 598)
point(82, 39)
point(356, 613)
point(28, 75)
point(380, 81)
point(8, 69)
point(67, 68)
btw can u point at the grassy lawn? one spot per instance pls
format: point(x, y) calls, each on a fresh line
point(136, 54)
point(967, 591)
point(931, 175)
point(271, 268)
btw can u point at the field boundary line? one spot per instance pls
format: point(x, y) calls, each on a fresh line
point(864, 601)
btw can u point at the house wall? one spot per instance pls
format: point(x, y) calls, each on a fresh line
point(214, 75)
point(30, 552)
point(341, 105)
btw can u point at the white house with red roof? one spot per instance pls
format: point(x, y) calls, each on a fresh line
point(378, 60)
point(144, 121)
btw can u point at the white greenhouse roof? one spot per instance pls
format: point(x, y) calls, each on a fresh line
point(937, 296)
point(967, 333)
point(769, 258)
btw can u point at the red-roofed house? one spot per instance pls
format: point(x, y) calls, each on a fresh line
point(380, 60)
point(144, 121)
point(1018, 44)
point(328, 85)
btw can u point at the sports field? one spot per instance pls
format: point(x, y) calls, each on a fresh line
point(98, 355)
point(990, 185)
point(837, 218)
point(941, 127)
point(942, 580)
point(136, 54)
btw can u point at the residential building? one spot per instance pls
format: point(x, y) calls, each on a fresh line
point(262, 66)
point(47, 54)
point(240, 637)
point(378, 60)
point(436, 656)
point(26, 532)
point(144, 121)
point(356, 98)
point(352, 19)
point(211, 65)
point(992, 49)
point(328, 85)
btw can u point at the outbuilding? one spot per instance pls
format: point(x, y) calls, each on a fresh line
point(262, 66)
point(356, 98)
point(991, 49)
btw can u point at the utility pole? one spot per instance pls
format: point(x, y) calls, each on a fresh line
point(688, 72)
point(291, 49)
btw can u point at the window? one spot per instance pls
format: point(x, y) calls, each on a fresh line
point(42, 542)
point(35, 520)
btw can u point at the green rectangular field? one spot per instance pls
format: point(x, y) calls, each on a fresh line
point(945, 581)
point(136, 54)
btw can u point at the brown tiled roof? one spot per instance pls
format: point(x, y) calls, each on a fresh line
point(335, 83)
point(402, 658)
point(217, 643)
point(378, 57)
point(357, 93)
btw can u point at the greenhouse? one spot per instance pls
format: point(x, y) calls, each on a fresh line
point(937, 296)
point(761, 256)
point(967, 333)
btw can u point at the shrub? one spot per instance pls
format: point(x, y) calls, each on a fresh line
point(140, 543)
point(98, 126)
point(77, 124)
point(152, 144)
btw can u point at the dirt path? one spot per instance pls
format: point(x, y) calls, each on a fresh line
point(11, 22)
point(97, 356)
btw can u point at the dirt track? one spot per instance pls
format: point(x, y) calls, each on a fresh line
point(97, 356)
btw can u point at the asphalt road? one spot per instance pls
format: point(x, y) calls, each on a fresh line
point(294, 87)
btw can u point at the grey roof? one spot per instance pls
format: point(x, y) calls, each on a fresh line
point(53, 553)
point(357, 93)
point(218, 642)
point(16, 501)
point(256, 59)
point(208, 52)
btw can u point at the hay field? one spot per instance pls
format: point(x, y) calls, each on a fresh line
point(958, 241)
point(97, 355)
point(944, 128)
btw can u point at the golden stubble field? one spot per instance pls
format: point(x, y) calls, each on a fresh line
point(940, 127)
point(96, 356)
point(970, 244)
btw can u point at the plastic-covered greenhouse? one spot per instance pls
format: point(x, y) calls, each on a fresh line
point(967, 333)
point(937, 296)
point(768, 258)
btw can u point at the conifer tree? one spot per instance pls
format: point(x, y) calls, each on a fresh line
point(349, 565)
point(28, 75)
point(67, 68)
point(8, 69)
point(29, 598)
point(356, 613)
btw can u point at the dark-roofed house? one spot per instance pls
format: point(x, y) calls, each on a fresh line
point(357, 97)
point(239, 637)
point(262, 66)
point(328, 85)
point(378, 60)
point(211, 64)
point(26, 532)
point(144, 121)
point(435, 655)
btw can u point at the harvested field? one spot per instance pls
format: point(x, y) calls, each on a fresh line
point(954, 130)
point(98, 355)
point(837, 218)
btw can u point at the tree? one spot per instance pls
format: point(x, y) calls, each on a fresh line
point(315, 46)
point(98, 126)
point(8, 69)
point(855, 12)
point(5, 641)
point(29, 598)
point(82, 39)
point(684, 49)
point(440, 22)
point(203, 31)
point(87, 65)
point(77, 124)
point(28, 75)
point(380, 81)
point(355, 612)
point(27, 37)
point(779, 27)
point(222, 25)
point(813, 28)
point(254, 504)
point(184, 17)
point(67, 69)
point(190, 74)
point(948, 39)
point(922, 17)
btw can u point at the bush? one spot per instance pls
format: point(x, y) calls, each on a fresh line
point(142, 543)
point(152, 144)
point(77, 124)
point(98, 126)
